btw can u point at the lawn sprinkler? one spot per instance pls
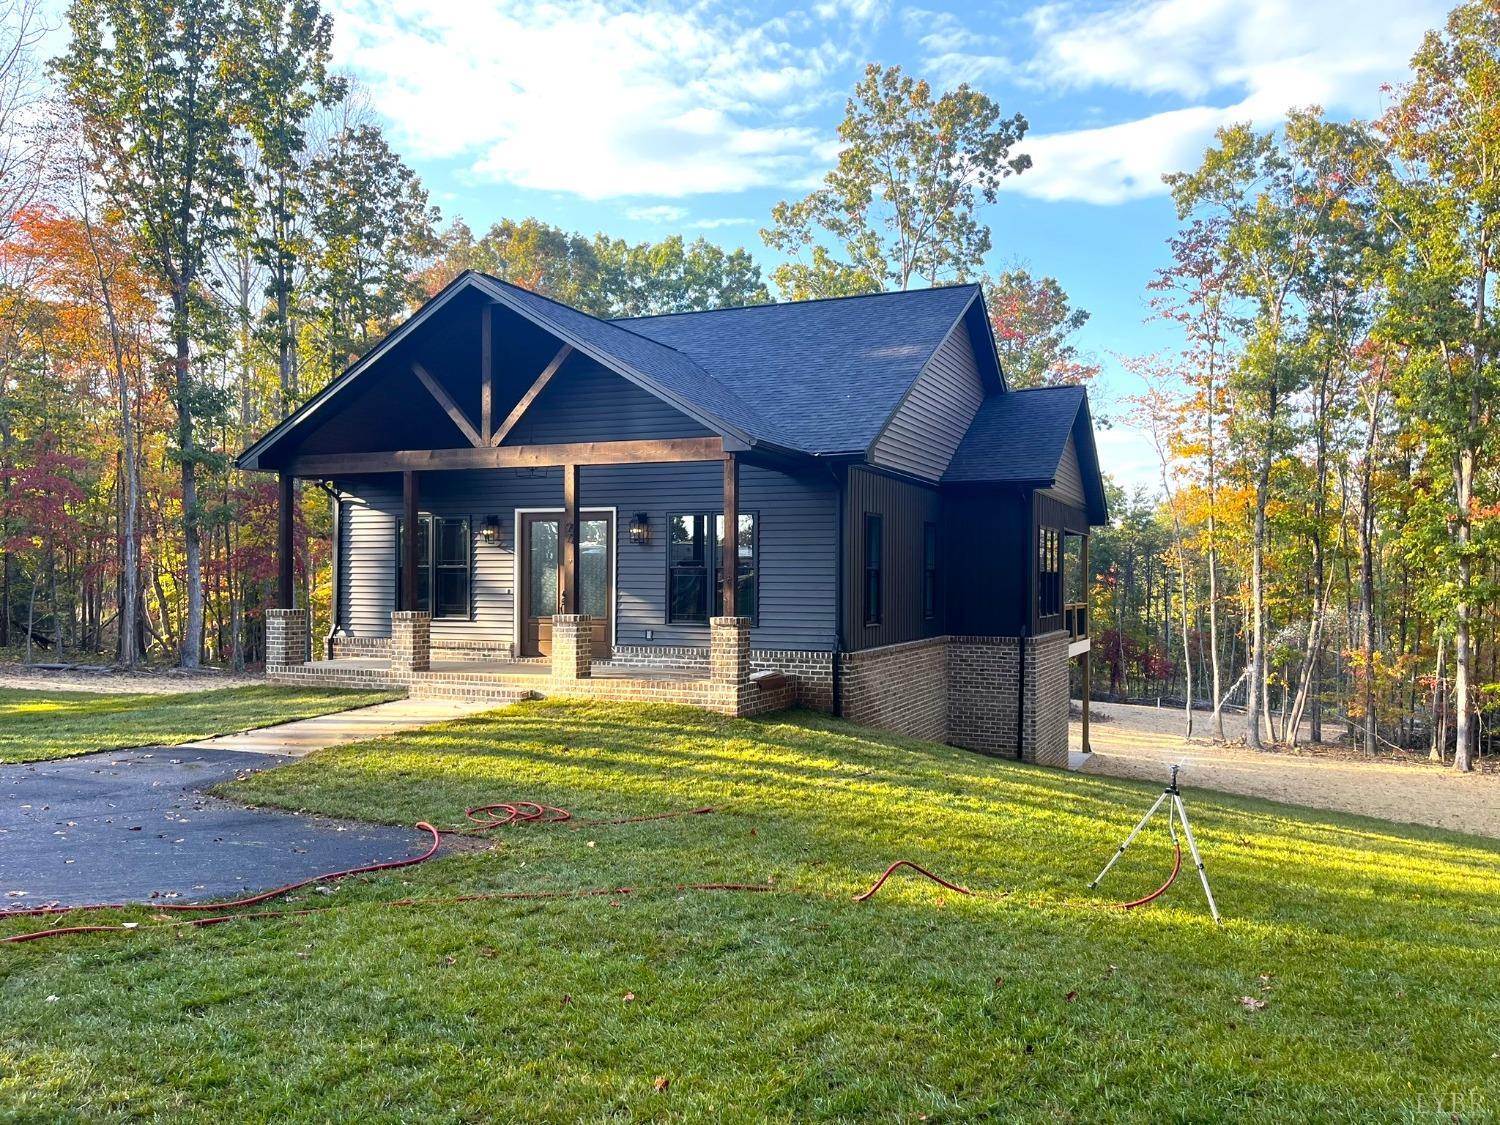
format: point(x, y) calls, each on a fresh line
point(1172, 797)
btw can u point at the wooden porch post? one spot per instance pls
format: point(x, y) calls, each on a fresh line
point(569, 592)
point(410, 529)
point(731, 531)
point(285, 519)
point(1088, 629)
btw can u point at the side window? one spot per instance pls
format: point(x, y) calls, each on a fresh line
point(695, 566)
point(444, 563)
point(1049, 572)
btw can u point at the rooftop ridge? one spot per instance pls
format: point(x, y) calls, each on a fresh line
point(805, 301)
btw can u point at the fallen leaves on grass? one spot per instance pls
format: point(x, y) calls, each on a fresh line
point(1252, 1003)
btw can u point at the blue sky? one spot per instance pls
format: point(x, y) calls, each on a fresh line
point(644, 119)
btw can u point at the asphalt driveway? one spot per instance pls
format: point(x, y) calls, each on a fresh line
point(135, 825)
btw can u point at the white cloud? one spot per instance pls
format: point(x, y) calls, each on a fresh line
point(596, 100)
point(715, 224)
point(1206, 62)
point(662, 213)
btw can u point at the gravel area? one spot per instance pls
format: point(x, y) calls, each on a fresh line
point(1141, 742)
point(152, 681)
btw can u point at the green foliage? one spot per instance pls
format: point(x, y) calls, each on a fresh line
point(1030, 1001)
point(900, 204)
point(605, 276)
point(373, 229)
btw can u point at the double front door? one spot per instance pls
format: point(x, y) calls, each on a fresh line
point(539, 584)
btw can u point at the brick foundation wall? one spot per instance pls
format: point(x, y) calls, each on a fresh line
point(810, 671)
point(345, 647)
point(984, 675)
point(901, 688)
point(984, 692)
point(1044, 735)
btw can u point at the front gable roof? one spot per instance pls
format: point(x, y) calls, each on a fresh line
point(673, 377)
point(1020, 438)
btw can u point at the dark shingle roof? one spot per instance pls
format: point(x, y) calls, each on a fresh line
point(1017, 436)
point(830, 373)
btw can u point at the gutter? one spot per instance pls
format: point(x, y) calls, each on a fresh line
point(840, 599)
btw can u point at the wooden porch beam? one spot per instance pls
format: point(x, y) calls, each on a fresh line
point(511, 457)
point(486, 372)
point(731, 531)
point(569, 592)
point(460, 419)
point(529, 397)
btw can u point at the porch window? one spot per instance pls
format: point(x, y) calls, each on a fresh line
point(444, 564)
point(874, 533)
point(1049, 572)
point(929, 571)
point(695, 567)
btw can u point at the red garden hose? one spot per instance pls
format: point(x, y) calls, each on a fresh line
point(1161, 890)
point(919, 870)
point(486, 818)
point(1172, 878)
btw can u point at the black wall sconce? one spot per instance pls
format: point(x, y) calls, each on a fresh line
point(640, 528)
point(490, 531)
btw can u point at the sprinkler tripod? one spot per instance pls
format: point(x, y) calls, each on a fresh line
point(1175, 810)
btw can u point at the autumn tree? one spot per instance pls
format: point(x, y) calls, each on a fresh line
point(1442, 198)
point(153, 89)
point(1035, 326)
point(901, 203)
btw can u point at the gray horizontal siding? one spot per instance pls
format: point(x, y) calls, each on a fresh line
point(592, 404)
point(927, 428)
point(1068, 486)
point(797, 528)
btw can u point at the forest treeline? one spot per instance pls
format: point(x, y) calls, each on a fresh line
point(202, 222)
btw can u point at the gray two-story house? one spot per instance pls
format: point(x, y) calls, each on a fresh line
point(530, 500)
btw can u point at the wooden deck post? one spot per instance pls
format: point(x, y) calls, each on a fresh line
point(731, 557)
point(410, 529)
point(286, 597)
point(569, 592)
point(1088, 652)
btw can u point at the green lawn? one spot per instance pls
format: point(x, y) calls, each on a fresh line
point(58, 724)
point(1372, 947)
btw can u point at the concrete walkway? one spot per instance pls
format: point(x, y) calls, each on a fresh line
point(300, 738)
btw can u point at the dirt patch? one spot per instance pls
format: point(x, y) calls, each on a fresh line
point(1141, 742)
point(166, 681)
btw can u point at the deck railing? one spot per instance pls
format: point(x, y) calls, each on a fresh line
point(1075, 620)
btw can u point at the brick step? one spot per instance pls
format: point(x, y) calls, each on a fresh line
point(471, 690)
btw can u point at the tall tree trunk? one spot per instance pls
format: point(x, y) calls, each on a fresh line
point(191, 649)
point(1256, 685)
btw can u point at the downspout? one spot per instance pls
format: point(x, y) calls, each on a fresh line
point(840, 600)
point(335, 589)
